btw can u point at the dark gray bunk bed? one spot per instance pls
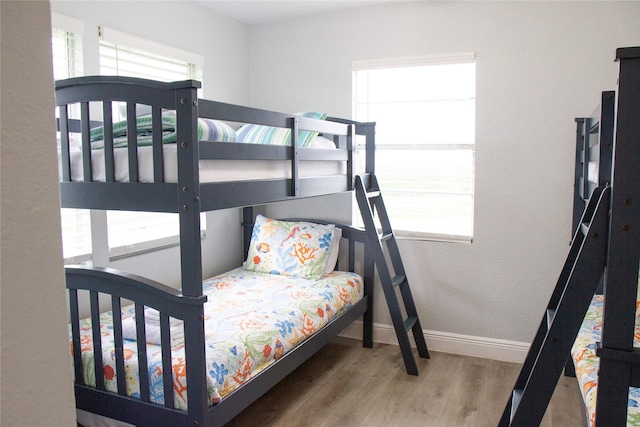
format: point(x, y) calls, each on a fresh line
point(604, 258)
point(188, 197)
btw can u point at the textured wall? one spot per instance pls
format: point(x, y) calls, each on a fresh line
point(36, 370)
point(224, 44)
point(539, 65)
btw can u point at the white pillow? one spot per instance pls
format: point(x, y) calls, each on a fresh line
point(322, 142)
point(333, 252)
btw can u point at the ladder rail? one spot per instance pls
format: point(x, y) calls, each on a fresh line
point(370, 203)
point(570, 300)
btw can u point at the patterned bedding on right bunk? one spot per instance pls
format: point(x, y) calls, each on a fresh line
point(587, 363)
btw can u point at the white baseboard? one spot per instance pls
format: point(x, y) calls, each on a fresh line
point(488, 348)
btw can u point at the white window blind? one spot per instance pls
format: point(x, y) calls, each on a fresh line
point(425, 140)
point(66, 49)
point(125, 55)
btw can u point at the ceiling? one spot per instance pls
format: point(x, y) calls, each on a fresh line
point(266, 11)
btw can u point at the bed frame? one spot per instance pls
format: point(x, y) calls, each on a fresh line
point(594, 150)
point(605, 252)
point(188, 197)
point(612, 139)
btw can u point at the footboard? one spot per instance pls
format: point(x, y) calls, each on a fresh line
point(92, 393)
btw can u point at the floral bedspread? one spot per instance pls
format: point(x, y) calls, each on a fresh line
point(251, 319)
point(586, 362)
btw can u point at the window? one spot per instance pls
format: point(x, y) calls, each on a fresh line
point(66, 49)
point(425, 138)
point(125, 55)
point(108, 235)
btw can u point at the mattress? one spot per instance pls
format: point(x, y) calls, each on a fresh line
point(593, 171)
point(251, 320)
point(587, 363)
point(210, 170)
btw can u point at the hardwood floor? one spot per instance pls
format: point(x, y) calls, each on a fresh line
point(347, 385)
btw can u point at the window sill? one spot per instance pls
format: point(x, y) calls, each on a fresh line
point(142, 248)
point(432, 237)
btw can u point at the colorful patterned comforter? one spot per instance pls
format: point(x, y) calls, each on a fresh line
point(586, 362)
point(251, 319)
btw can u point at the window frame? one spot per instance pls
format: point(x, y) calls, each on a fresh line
point(421, 61)
point(100, 252)
point(110, 39)
point(74, 67)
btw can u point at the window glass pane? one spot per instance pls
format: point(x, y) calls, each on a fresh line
point(66, 49)
point(132, 231)
point(425, 136)
point(76, 233)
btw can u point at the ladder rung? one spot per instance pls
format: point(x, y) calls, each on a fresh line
point(398, 280)
point(410, 322)
point(385, 237)
point(584, 228)
point(373, 194)
point(515, 401)
point(551, 312)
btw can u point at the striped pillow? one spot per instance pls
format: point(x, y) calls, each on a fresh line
point(215, 130)
point(259, 134)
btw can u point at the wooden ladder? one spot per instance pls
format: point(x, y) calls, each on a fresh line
point(388, 262)
point(551, 347)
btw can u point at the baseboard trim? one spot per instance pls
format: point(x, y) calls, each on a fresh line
point(446, 342)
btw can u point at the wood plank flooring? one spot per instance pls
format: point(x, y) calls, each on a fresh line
point(347, 385)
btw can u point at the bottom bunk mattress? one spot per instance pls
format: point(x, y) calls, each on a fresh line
point(251, 320)
point(587, 363)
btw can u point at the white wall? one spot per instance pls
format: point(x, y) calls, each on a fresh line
point(539, 65)
point(223, 42)
point(36, 378)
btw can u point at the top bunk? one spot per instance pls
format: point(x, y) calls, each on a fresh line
point(142, 145)
point(594, 151)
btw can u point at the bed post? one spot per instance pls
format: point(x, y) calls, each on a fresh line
point(617, 356)
point(247, 228)
point(190, 248)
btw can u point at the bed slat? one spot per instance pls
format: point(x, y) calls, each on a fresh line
point(351, 168)
point(97, 340)
point(86, 143)
point(167, 368)
point(158, 160)
point(141, 342)
point(132, 142)
point(295, 180)
point(75, 336)
point(119, 347)
point(64, 144)
point(109, 162)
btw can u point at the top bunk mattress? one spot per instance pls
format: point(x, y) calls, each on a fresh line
point(210, 170)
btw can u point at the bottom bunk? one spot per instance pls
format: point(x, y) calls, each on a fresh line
point(261, 321)
point(583, 354)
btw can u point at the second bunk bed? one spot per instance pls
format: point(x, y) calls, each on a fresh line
point(606, 353)
point(270, 315)
point(592, 313)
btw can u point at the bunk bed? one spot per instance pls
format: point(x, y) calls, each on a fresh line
point(596, 167)
point(591, 316)
point(167, 158)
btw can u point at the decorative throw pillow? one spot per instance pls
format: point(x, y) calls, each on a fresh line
point(259, 134)
point(290, 248)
